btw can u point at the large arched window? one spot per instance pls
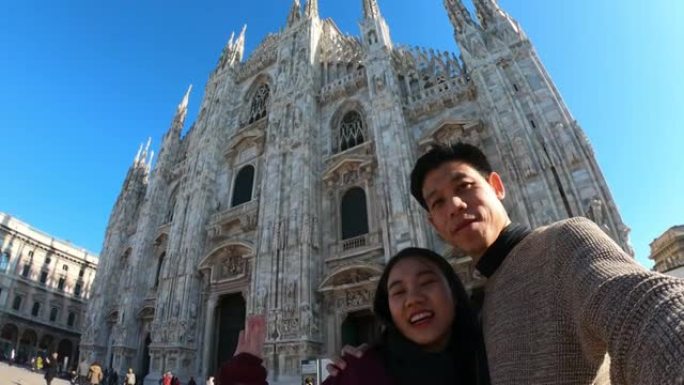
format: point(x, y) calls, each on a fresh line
point(354, 214)
point(259, 106)
point(242, 189)
point(351, 131)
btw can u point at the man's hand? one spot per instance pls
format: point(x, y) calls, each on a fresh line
point(252, 339)
point(338, 364)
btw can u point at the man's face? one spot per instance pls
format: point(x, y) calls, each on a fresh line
point(464, 207)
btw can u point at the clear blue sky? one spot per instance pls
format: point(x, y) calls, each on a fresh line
point(84, 82)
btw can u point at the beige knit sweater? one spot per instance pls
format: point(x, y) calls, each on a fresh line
point(564, 296)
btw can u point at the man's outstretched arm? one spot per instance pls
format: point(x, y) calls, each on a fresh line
point(638, 315)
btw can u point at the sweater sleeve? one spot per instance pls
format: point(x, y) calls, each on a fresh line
point(367, 370)
point(636, 314)
point(243, 369)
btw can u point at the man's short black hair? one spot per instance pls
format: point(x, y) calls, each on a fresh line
point(440, 154)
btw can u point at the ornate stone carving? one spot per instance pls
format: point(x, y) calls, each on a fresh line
point(567, 145)
point(523, 158)
point(358, 298)
point(231, 267)
point(471, 132)
point(595, 212)
point(264, 55)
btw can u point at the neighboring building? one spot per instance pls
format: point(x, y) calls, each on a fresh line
point(44, 288)
point(291, 190)
point(667, 252)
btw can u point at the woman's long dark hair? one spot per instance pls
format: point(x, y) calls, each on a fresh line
point(465, 333)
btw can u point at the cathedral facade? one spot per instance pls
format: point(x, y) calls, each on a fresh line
point(291, 189)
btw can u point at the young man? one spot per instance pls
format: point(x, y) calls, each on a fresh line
point(557, 298)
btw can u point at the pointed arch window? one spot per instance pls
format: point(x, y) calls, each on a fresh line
point(244, 184)
point(159, 267)
point(351, 131)
point(171, 208)
point(354, 213)
point(259, 106)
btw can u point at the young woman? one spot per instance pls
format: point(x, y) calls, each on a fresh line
point(430, 335)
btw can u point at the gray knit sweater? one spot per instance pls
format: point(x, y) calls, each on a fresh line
point(564, 296)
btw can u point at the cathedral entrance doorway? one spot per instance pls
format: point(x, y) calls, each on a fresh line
point(359, 327)
point(230, 320)
point(146, 357)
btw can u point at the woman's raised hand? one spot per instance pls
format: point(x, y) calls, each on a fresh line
point(252, 339)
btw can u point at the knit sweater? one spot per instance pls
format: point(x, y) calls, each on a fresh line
point(567, 294)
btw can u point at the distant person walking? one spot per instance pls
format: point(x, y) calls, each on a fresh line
point(83, 370)
point(130, 377)
point(51, 367)
point(95, 374)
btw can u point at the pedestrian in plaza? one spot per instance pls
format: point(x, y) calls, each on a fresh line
point(166, 379)
point(130, 377)
point(39, 363)
point(113, 377)
point(192, 381)
point(51, 367)
point(83, 369)
point(210, 380)
point(95, 374)
point(175, 381)
point(12, 357)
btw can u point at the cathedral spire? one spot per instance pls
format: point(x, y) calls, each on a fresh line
point(178, 119)
point(239, 46)
point(487, 11)
point(371, 10)
point(181, 112)
point(143, 157)
point(186, 98)
point(493, 18)
point(459, 15)
point(311, 9)
point(137, 156)
point(295, 13)
point(229, 46)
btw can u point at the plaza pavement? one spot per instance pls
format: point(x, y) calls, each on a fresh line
point(17, 375)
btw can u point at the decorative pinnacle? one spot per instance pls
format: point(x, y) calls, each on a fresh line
point(184, 103)
point(371, 10)
point(240, 43)
point(295, 13)
point(311, 9)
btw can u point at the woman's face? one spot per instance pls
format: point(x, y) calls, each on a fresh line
point(421, 303)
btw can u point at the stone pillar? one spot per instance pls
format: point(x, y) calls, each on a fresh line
point(209, 334)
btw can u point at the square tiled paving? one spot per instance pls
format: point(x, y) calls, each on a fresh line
point(17, 375)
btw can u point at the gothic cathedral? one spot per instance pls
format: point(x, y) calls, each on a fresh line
point(291, 189)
